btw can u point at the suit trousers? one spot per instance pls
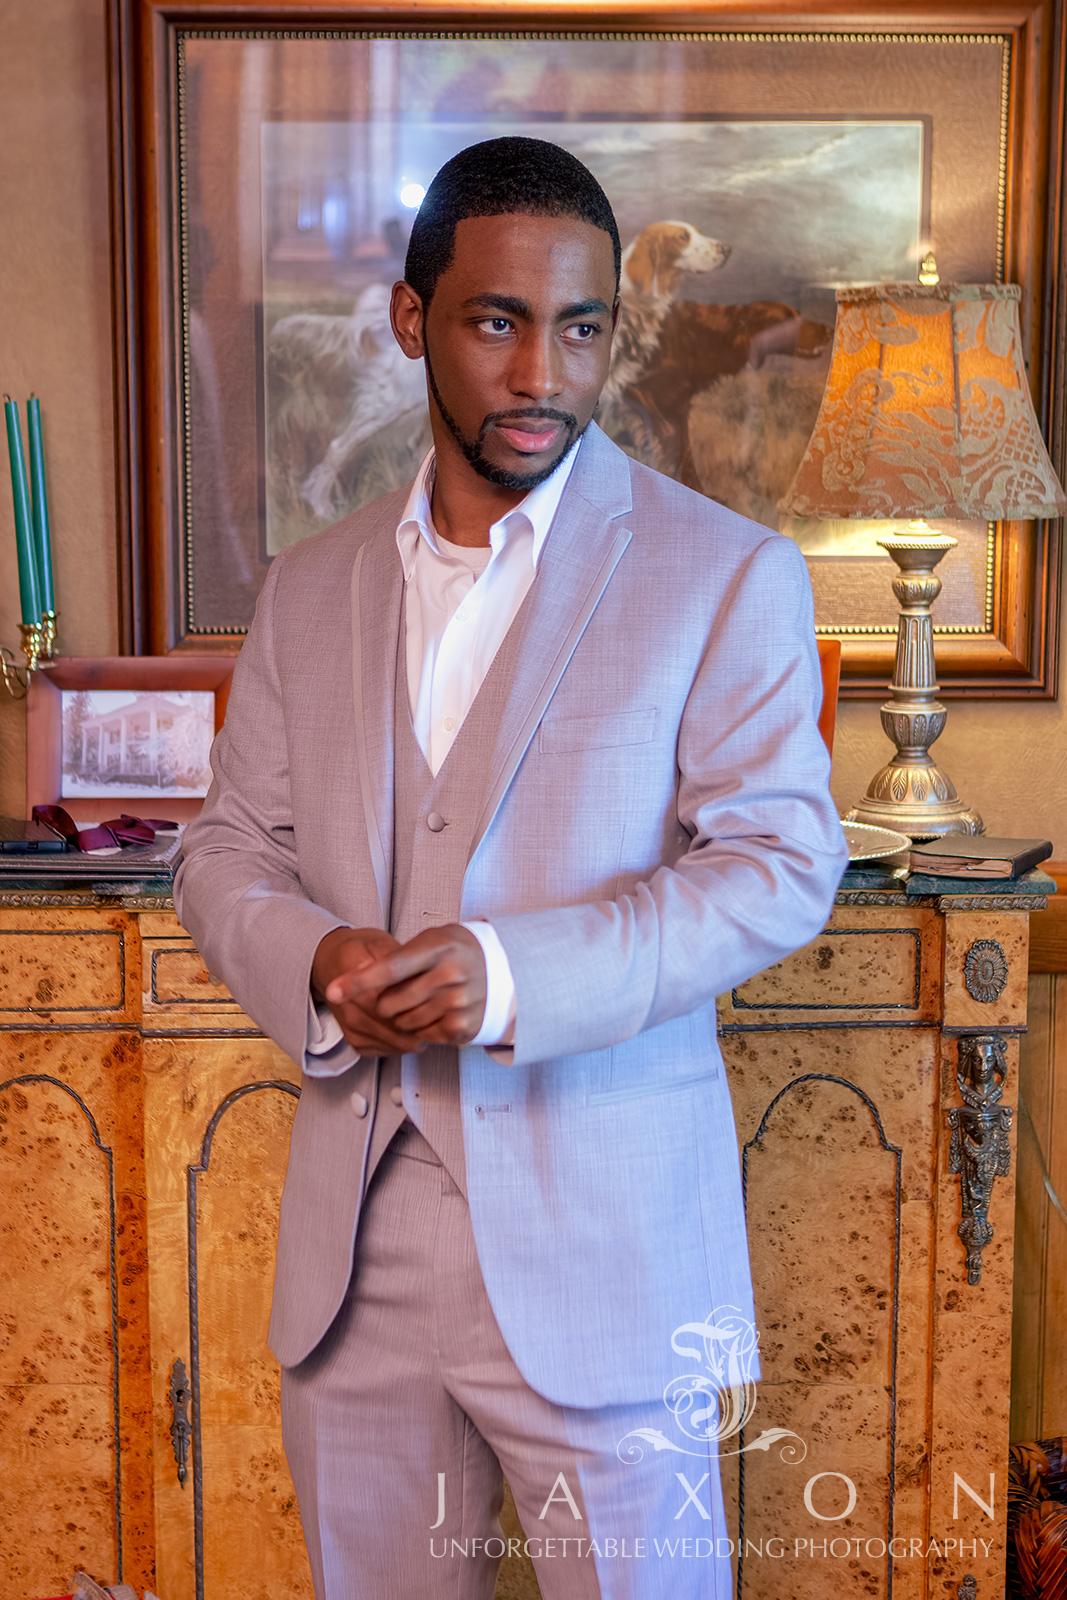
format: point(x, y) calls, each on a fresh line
point(400, 1426)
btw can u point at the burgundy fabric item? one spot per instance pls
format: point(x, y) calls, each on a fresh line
point(106, 835)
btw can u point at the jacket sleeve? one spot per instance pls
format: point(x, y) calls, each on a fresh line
point(765, 849)
point(237, 890)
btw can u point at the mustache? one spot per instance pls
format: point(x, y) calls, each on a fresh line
point(529, 414)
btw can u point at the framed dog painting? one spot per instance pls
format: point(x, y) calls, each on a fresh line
point(753, 171)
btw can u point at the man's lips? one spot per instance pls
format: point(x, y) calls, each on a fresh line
point(530, 437)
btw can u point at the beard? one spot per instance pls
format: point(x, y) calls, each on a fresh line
point(473, 448)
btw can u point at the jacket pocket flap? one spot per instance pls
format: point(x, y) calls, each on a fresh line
point(561, 734)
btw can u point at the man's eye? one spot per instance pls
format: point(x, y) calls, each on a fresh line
point(496, 324)
point(583, 331)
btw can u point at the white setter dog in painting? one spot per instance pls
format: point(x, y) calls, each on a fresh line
point(382, 384)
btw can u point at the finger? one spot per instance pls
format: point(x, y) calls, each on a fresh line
point(347, 949)
point(372, 1045)
point(357, 985)
point(421, 955)
point(367, 1033)
point(448, 979)
point(430, 1010)
point(372, 1042)
point(451, 1024)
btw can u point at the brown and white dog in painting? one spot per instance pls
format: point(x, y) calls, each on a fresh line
point(654, 268)
point(669, 349)
point(697, 346)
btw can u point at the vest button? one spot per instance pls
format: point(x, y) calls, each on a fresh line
point(396, 1095)
point(435, 822)
point(359, 1104)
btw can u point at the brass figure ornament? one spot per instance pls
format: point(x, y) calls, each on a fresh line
point(979, 1149)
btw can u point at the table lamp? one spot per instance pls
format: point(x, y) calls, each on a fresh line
point(926, 413)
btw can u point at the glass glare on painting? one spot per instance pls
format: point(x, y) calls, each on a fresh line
point(697, 393)
point(751, 176)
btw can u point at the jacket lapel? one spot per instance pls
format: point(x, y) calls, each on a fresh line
point(377, 590)
point(584, 547)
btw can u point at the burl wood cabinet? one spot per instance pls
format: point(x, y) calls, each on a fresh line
point(143, 1130)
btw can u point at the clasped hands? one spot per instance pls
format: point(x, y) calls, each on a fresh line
point(390, 997)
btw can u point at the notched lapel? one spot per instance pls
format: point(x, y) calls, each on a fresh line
point(582, 551)
point(377, 591)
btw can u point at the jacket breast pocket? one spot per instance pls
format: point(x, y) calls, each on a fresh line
point(559, 735)
point(652, 1089)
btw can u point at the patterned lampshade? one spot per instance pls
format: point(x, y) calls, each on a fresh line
point(926, 411)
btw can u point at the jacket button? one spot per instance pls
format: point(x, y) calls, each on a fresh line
point(359, 1104)
point(435, 822)
point(396, 1095)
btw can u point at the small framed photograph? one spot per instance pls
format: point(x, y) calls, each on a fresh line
point(106, 735)
point(148, 743)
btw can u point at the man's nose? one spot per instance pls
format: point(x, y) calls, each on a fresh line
point(537, 370)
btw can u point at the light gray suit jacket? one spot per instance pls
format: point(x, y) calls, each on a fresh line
point(647, 825)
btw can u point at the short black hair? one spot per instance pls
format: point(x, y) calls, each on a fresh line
point(496, 178)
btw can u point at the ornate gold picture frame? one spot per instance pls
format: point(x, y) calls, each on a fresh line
point(262, 160)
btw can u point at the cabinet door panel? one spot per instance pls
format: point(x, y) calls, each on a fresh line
point(839, 1130)
point(73, 1313)
point(823, 1188)
point(218, 1115)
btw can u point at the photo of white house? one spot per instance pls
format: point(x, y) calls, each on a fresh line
point(118, 742)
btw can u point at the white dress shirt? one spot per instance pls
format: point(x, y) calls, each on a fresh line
point(460, 601)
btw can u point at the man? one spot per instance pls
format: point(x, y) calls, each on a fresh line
point(520, 771)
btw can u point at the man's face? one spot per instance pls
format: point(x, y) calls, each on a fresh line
point(517, 341)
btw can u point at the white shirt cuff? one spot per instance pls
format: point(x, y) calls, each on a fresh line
point(498, 1023)
point(326, 1051)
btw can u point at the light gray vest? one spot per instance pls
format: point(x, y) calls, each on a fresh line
point(428, 871)
point(429, 862)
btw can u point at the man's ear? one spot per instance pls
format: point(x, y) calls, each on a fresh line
point(406, 317)
point(616, 311)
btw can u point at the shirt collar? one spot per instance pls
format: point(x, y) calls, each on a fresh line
point(534, 513)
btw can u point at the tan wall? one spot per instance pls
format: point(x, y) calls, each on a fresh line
point(55, 336)
point(1007, 758)
point(55, 320)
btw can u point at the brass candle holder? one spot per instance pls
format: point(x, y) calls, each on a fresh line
point(38, 642)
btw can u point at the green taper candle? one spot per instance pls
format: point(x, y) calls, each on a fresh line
point(42, 537)
point(20, 495)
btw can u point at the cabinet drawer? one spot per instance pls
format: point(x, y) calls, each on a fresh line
point(179, 994)
point(889, 973)
point(67, 969)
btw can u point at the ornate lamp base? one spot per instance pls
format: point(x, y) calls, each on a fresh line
point(913, 814)
point(912, 795)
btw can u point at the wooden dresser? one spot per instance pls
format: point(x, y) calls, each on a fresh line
point(143, 1128)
